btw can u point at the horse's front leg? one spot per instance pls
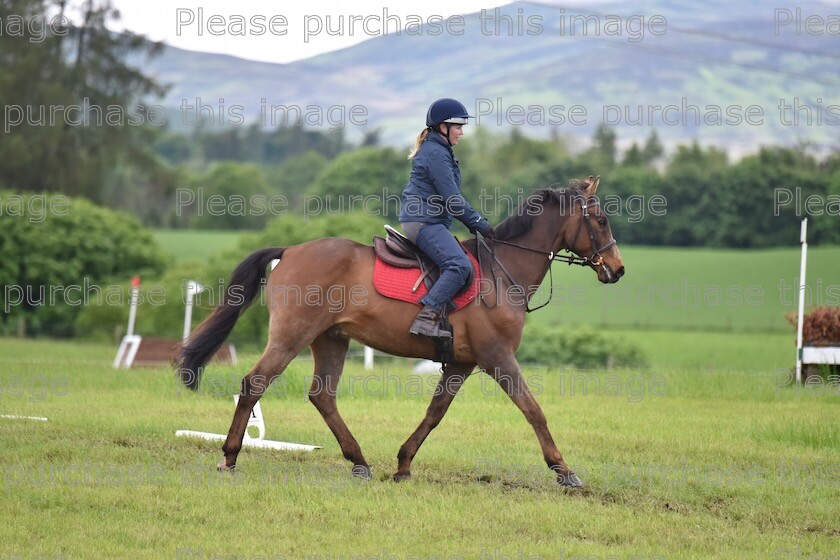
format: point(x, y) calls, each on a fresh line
point(270, 365)
point(448, 386)
point(508, 375)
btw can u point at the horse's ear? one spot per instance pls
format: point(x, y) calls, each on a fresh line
point(591, 185)
point(582, 185)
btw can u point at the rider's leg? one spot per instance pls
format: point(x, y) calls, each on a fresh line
point(438, 243)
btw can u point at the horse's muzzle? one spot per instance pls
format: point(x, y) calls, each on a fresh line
point(607, 275)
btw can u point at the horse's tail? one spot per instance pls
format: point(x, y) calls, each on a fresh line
point(243, 287)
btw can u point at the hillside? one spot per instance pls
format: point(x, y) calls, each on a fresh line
point(709, 60)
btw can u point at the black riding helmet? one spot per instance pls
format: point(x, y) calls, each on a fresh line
point(448, 111)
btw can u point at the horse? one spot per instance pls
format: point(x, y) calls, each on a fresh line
point(485, 335)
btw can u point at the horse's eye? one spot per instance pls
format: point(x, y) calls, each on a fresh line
point(602, 222)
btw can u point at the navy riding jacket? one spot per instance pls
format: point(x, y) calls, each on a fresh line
point(433, 192)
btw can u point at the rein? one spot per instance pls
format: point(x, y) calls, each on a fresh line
point(595, 259)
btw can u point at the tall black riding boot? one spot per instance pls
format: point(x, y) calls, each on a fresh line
point(427, 323)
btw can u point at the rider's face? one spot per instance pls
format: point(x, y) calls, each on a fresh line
point(455, 132)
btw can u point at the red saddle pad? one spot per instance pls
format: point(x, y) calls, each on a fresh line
point(396, 283)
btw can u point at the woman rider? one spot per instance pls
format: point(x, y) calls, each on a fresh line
point(430, 201)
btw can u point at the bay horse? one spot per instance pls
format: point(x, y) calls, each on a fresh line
point(518, 258)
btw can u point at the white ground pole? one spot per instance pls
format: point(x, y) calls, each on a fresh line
point(193, 289)
point(256, 419)
point(803, 240)
point(16, 417)
point(130, 342)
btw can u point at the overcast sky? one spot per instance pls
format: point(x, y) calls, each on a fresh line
point(305, 29)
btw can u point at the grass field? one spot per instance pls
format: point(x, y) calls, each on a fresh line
point(679, 461)
point(691, 289)
point(189, 244)
point(710, 452)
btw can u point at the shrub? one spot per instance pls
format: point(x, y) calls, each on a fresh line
point(60, 254)
point(581, 347)
point(821, 327)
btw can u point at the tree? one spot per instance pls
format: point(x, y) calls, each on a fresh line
point(633, 156)
point(653, 149)
point(295, 176)
point(646, 155)
point(379, 174)
point(603, 152)
point(232, 196)
point(692, 190)
point(75, 104)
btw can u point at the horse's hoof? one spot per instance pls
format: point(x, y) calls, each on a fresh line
point(402, 477)
point(362, 471)
point(222, 467)
point(569, 479)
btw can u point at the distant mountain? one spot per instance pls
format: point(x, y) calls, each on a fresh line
point(663, 63)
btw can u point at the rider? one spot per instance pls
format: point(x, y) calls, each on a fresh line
point(430, 201)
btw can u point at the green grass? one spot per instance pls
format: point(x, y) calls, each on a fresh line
point(189, 244)
point(713, 351)
point(694, 289)
point(679, 461)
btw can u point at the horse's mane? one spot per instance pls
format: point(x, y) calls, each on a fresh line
point(521, 220)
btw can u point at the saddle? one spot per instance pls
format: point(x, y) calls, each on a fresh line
point(397, 250)
point(411, 269)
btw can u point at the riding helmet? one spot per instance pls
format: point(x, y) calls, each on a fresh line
point(447, 110)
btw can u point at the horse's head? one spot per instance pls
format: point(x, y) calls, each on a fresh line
point(588, 233)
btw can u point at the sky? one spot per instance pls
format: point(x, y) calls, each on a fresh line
point(310, 27)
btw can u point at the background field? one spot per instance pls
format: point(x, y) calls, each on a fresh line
point(186, 245)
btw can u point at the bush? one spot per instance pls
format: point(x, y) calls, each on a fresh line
point(60, 254)
point(580, 347)
point(160, 312)
point(821, 326)
point(103, 322)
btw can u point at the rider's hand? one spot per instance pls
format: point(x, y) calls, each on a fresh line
point(487, 230)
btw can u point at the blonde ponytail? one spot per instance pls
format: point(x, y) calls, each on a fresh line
point(420, 139)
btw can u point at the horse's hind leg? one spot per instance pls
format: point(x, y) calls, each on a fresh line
point(329, 351)
point(270, 365)
point(448, 386)
point(509, 377)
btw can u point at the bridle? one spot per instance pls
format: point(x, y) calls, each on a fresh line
point(594, 259)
